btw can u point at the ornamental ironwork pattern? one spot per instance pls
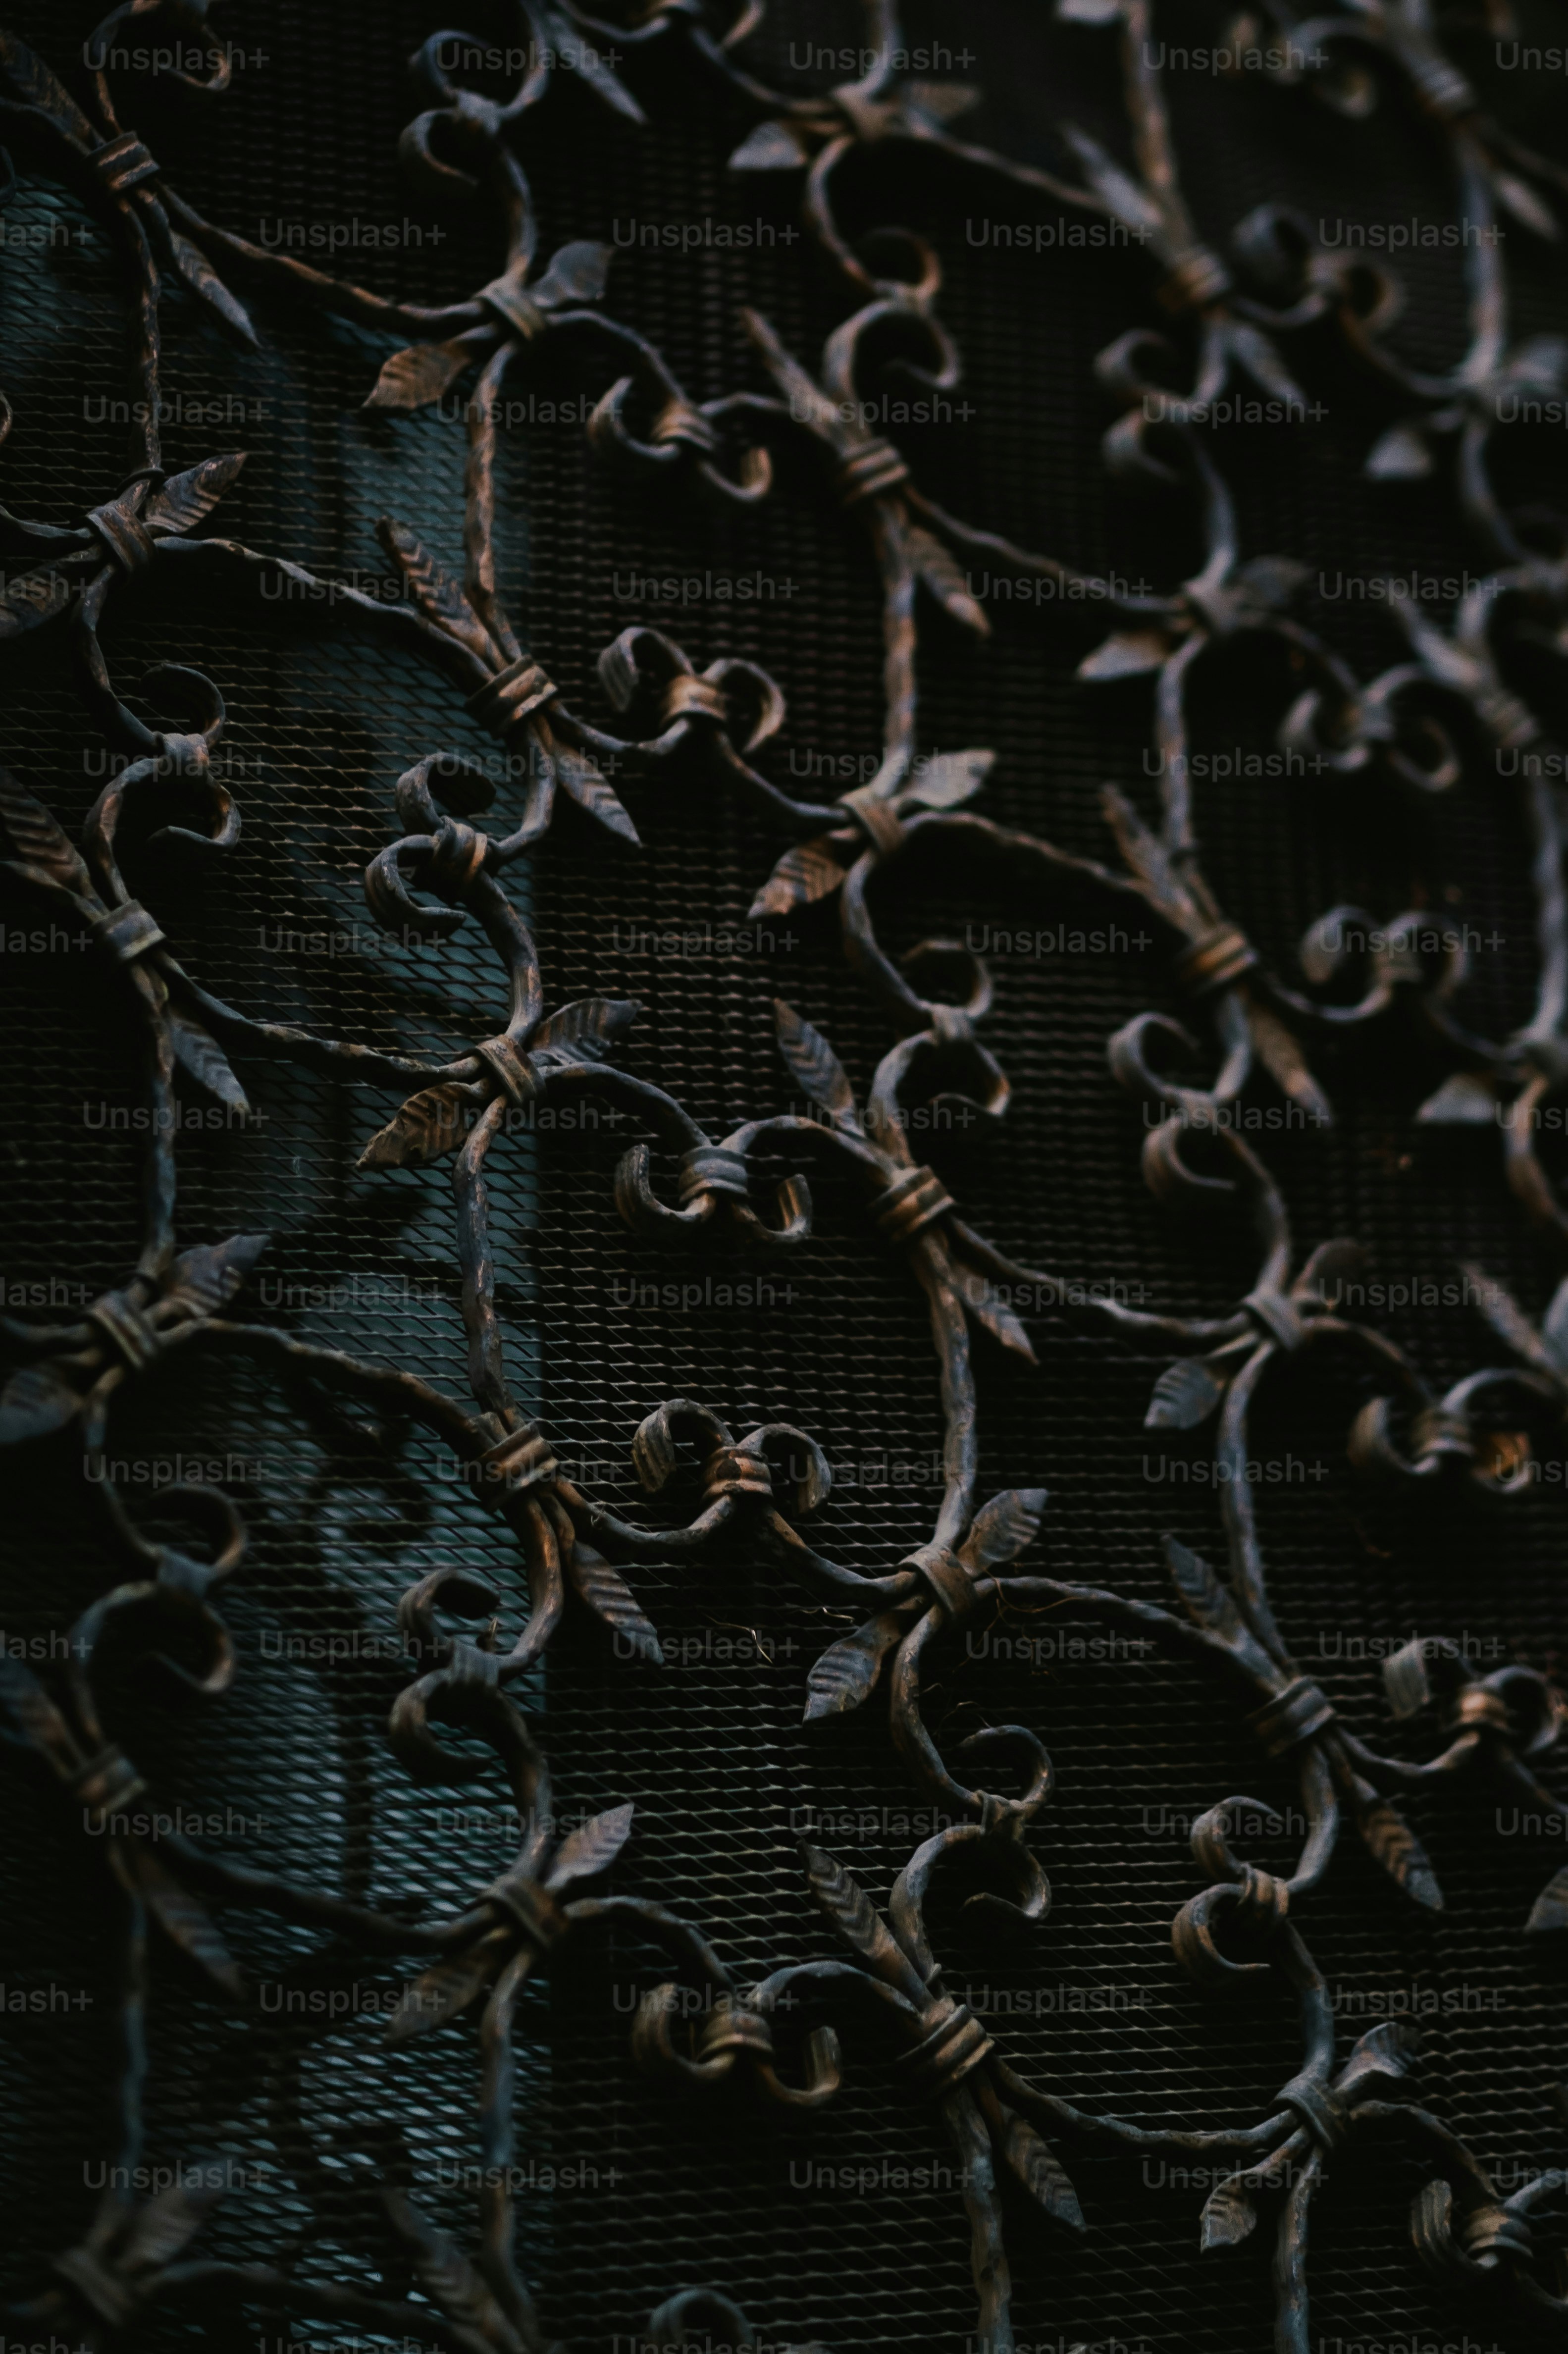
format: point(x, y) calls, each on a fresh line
point(1409, 730)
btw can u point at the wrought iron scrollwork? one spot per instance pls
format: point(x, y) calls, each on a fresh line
point(1411, 731)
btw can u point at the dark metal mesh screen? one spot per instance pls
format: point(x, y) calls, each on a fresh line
point(852, 2230)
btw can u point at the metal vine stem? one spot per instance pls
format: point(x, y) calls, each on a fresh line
point(1408, 731)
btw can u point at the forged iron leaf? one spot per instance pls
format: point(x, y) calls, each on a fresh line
point(36, 836)
point(28, 77)
point(1185, 1396)
point(28, 602)
point(1270, 577)
point(208, 1277)
point(816, 1067)
point(1399, 1853)
point(981, 1302)
point(168, 2223)
point(1145, 855)
point(1273, 581)
point(591, 1848)
point(609, 1597)
point(809, 871)
point(1001, 1528)
point(430, 1125)
point(29, 1719)
point(944, 575)
point(587, 789)
point(204, 280)
point(1538, 364)
point(576, 274)
point(1455, 663)
point(1208, 1602)
point(1041, 2173)
point(582, 1032)
point(1287, 1064)
point(949, 779)
point(1519, 198)
point(1403, 454)
point(1229, 2216)
point(186, 498)
point(848, 1670)
point(1405, 1680)
point(554, 31)
point(1326, 1271)
point(1507, 1318)
point(411, 379)
point(1386, 2052)
point(771, 147)
point(184, 1920)
point(1550, 1911)
point(942, 102)
point(205, 1059)
point(857, 1919)
point(33, 1401)
point(447, 1988)
point(1464, 1099)
point(1127, 653)
point(1555, 1328)
point(1106, 177)
point(445, 2273)
point(435, 593)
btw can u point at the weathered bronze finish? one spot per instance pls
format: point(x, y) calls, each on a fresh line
point(1405, 728)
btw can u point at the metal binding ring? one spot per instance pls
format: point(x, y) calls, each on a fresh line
point(513, 1072)
point(533, 1908)
point(1292, 1716)
point(694, 698)
point(678, 421)
point(912, 1202)
point(709, 1169)
point(127, 540)
point(1200, 277)
point(1436, 1431)
point(731, 1472)
point(1491, 2231)
point(733, 2026)
point(1442, 89)
point(127, 1331)
point(107, 1785)
point(867, 471)
point(521, 1459)
point(127, 932)
point(1321, 2111)
point(518, 310)
point(945, 1577)
point(1475, 1705)
point(123, 164)
point(457, 854)
point(510, 694)
point(953, 2047)
point(875, 813)
point(1214, 959)
point(1263, 1901)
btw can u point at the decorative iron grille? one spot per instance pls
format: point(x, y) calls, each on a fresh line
point(501, 1531)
